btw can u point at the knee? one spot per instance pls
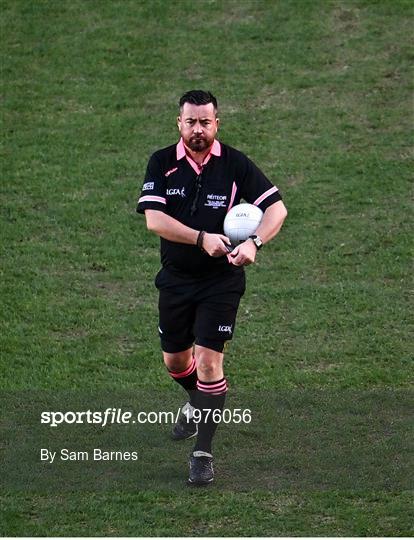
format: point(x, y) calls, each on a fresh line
point(177, 361)
point(209, 367)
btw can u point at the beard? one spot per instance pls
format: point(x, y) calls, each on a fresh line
point(198, 144)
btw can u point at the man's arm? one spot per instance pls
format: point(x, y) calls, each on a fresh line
point(272, 221)
point(173, 230)
point(270, 225)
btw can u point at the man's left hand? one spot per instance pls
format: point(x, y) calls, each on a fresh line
point(243, 254)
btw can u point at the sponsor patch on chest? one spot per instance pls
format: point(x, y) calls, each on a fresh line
point(216, 201)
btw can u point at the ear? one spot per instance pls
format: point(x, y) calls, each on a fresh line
point(179, 122)
point(218, 122)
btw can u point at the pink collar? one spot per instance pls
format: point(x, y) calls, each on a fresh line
point(215, 151)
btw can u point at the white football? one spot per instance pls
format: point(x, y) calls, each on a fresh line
point(242, 221)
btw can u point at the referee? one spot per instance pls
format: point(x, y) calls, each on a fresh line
point(188, 189)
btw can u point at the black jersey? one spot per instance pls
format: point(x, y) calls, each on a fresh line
point(171, 184)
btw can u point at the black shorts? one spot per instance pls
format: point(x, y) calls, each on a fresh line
point(201, 310)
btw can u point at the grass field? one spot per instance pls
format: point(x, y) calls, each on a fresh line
point(319, 94)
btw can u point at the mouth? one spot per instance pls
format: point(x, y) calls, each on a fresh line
point(198, 143)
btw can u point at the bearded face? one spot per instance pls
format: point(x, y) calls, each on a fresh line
point(198, 126)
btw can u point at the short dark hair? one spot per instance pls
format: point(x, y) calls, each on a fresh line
point(198, 97)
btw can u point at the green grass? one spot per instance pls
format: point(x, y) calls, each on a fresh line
point(211, 514)
point(319, 94)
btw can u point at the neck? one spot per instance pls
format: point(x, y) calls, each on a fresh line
point(198, 157)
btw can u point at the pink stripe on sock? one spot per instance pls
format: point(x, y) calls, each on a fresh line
point(212, 385)
point(214, 389)
point(188, 371)
point(216, 392)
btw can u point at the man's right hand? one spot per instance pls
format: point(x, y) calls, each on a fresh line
point(215, 244)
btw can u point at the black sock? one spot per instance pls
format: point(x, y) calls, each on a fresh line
point(187, 379)
point(211, 396)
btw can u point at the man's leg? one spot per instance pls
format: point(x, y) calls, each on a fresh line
point(214, 325)
point(209, 398)
point(182, 368)
point(176, 319)
point(210, 395)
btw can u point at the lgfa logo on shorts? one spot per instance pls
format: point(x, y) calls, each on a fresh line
point(224, 328)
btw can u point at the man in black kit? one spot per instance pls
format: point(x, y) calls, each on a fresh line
point(188, 189)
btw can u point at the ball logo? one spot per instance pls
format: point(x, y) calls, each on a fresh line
point(241, 221)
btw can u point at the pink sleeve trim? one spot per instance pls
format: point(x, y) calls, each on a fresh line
point(152, 198)
point(265, 195)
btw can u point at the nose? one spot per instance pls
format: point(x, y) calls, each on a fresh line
point(197, 128)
